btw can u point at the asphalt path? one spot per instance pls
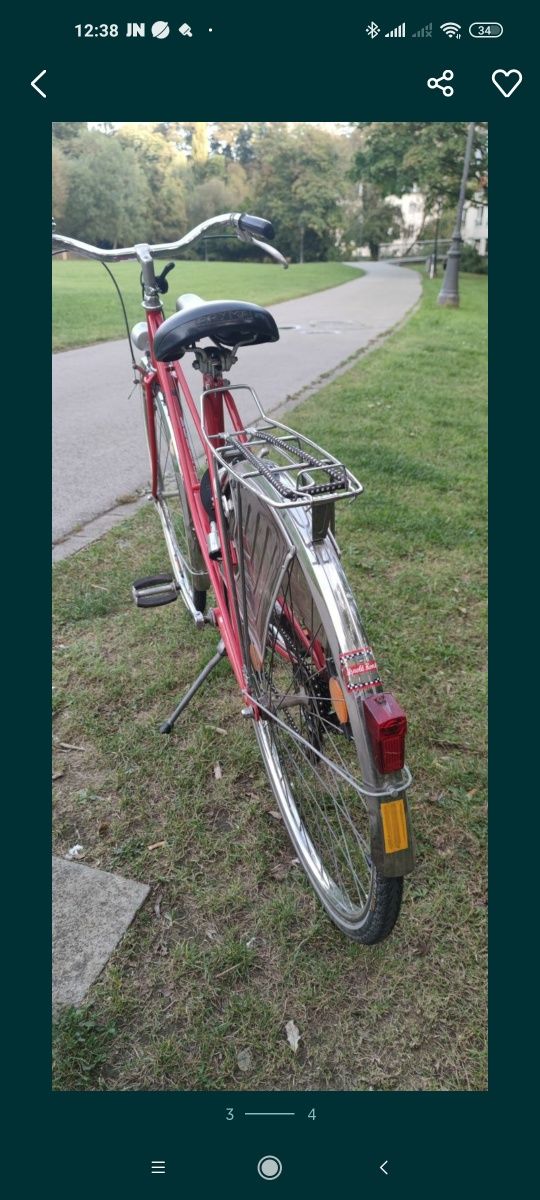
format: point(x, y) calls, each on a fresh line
point(99, 447)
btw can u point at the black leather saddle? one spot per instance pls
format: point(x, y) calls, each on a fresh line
point(229, 323)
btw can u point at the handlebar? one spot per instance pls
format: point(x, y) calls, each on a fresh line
point(246, 228)
point(256, 226)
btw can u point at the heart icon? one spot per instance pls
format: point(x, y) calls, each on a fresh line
point(507, 81)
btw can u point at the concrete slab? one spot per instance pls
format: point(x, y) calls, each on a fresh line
point(91, 912)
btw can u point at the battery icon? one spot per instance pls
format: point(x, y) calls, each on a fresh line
point(485, 29)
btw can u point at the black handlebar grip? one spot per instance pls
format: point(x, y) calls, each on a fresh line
point(257, 226)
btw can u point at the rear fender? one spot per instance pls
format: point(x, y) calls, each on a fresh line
point(392, 841)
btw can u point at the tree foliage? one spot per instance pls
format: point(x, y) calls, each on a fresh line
point(107, 195)
point(380, 220)
point(328, 191)
point(399, 156)
point(298, 183)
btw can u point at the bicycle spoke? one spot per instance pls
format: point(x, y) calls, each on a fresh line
point(329, 817)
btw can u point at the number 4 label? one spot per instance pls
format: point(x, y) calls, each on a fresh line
point(312, 1116)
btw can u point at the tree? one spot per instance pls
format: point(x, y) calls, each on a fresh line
point(243, 148)
point(398, 156)
point(297, 184)
point(164, 170)
point(108, 195)
point(379, 220)
point(60, 182)
point(67, 133)
point(207, 200)
point(199, 142)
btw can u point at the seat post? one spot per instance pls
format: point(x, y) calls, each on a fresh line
point(213, 408)
point(212, 361)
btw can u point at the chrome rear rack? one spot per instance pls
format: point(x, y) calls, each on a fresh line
point(300, 472)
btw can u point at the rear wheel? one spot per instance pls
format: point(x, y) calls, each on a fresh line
point(311, 760)
point(173, 508)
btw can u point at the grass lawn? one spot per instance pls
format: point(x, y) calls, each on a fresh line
point(231, 943)
point(86, 308)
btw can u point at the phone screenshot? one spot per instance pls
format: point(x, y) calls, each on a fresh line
point(268, 420)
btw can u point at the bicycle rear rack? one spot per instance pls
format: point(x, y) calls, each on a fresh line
point(300, 472)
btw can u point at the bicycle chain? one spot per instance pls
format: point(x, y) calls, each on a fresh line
point(315, 686)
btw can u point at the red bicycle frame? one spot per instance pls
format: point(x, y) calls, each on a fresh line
point(171, 380)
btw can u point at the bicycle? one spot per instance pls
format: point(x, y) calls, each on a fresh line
point(257, 526)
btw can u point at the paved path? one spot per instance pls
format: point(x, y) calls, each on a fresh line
point(99, 448)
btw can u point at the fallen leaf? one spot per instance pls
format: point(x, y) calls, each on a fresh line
point(157, 907)
point(276, 815)
point(280, 871)
point(58, 775)
point(218, 773)
point(217, 729)
point(68, 746)
point(293, 1035)
point(472, 792)
point(244, 1060)
point(156, 845)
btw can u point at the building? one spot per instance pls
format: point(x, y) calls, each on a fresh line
point(474, 229)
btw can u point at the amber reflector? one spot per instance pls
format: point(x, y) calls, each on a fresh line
point(255, 657)
point(339, 702)
point(394, 824)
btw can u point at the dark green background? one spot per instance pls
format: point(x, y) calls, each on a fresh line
point(268, 62)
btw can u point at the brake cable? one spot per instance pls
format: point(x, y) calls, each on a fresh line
point(121, 299)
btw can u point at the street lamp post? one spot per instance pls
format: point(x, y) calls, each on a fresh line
point(449, 293)
point(436, 246)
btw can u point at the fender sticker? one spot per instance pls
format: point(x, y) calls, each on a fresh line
point(355, 664)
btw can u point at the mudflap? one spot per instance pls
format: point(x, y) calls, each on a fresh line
point(393, 848)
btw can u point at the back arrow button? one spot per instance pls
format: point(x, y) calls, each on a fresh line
point(34, 83)
point(383, 1166)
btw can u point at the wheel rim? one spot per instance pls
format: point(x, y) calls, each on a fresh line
point(325, 816)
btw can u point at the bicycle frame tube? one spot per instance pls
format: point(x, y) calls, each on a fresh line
point(213, 417)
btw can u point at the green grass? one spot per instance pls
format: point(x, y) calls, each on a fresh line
point(86, 308)
point(231, 943)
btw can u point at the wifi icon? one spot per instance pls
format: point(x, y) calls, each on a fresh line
point(451, 29)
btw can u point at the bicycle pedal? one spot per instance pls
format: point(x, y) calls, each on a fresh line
point(154, 591)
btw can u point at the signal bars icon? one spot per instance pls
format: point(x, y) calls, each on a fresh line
point(425, 31)
point(399, 31)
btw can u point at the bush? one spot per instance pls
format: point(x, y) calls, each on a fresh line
point(473, 262)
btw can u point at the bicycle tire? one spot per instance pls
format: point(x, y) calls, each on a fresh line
point(171, 502)
point(325, 818)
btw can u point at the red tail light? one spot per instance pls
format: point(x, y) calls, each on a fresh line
point(387, 726)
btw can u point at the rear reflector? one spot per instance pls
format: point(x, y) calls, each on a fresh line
point(394, 823)
point(387, 726)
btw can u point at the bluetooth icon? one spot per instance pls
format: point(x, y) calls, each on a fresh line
point(372, 30)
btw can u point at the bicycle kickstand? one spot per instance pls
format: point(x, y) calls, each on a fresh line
point(168, 724)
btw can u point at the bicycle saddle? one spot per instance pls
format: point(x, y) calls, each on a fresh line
point(228, 323)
